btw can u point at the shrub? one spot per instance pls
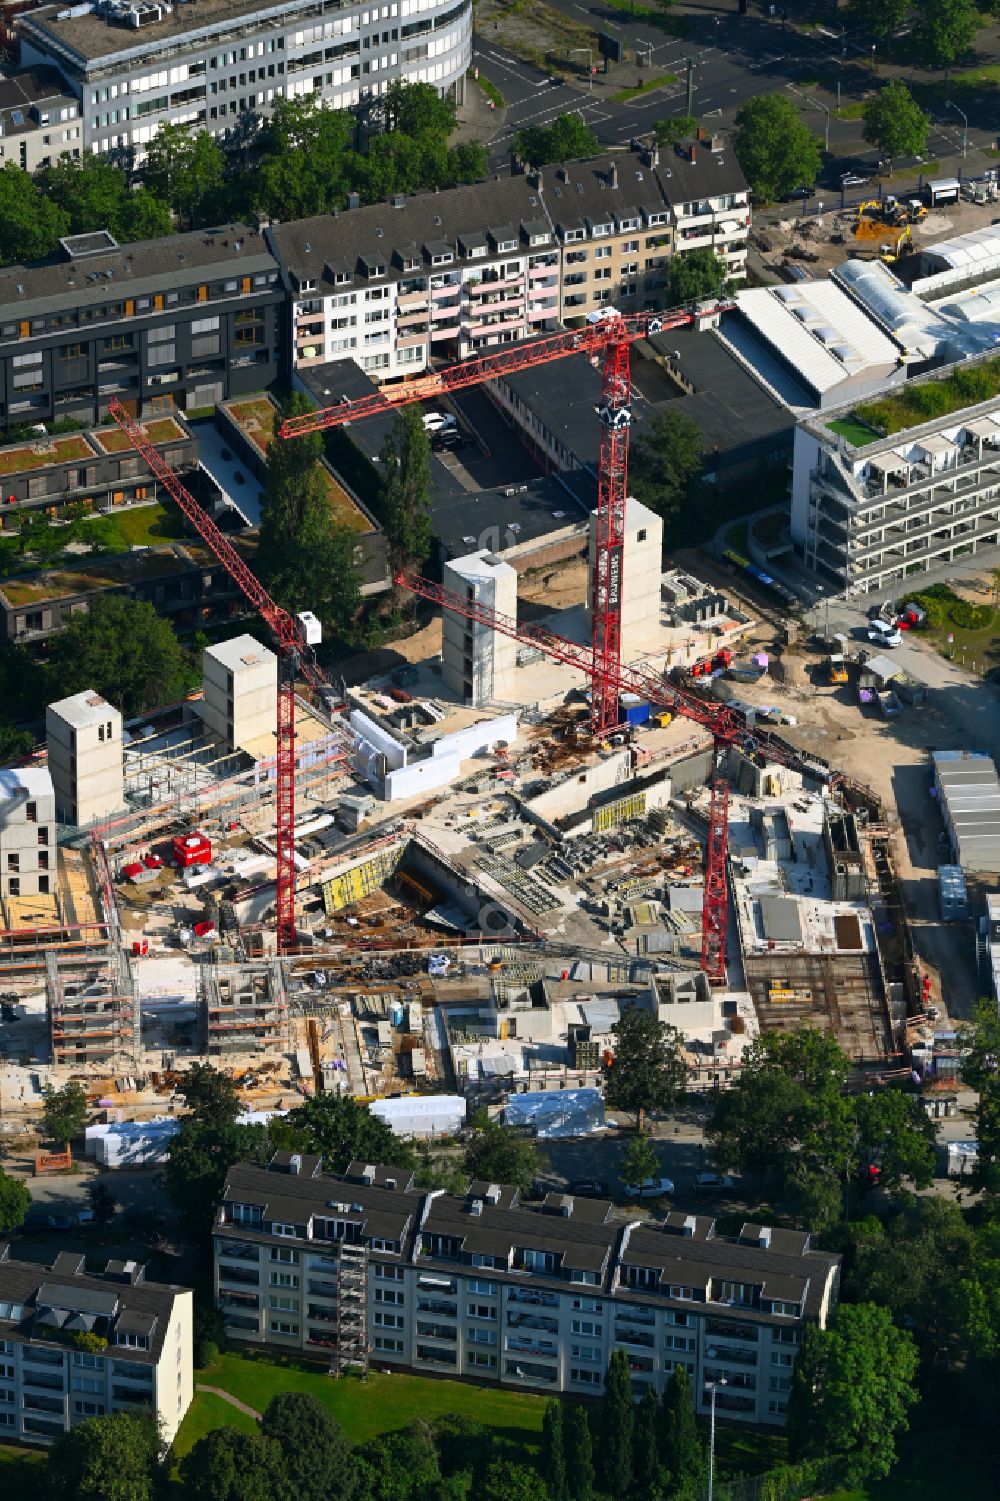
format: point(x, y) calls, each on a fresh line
point(931, 601)
point(971, 617)
point(206, 1353)
point(85, 1339)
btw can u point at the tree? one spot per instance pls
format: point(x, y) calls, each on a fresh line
point(211, 1095)
point(648, 1071)
point(640, 1161)
point(102, 1201)
point(552, 1459)
point(895, 123)
point(789, 1120)
point(776, 151)
point(566, 139)
point(417, 109)
point(614, 1459)
point(340, 1130)
point(981, 1072)
point(579, 1455)
point(695, 275)
point(405, 490)
point(945, 30)
point(852, 1386)
point(401, 1466)
point(123, 650)
point(880, 17)
point(117, 1457)
point(647, 1477)
point(500, 1154)
point(227, 1465)
point(666, 463)
point(894, 1131)
point(15, 1201)
point(914, 1264)
point(184, 170)
point(93, 193)
point(681, 1452)
point(505, 1480)
point(30, 225)
point(64, 1113)
point(677, 128)
point(318, 1458)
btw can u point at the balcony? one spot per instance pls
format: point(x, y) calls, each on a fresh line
point(427, 1330)
point(411, 301)
point(745, 1332)
point(238, 1300)
point(320, 1288)
point(528, 1295)
point(532, 1321)
point(520, 1345)
point(731, 1355)
point(432, 1355)
point(635, 1337)
point(527, 1370)
point(249, 1277)
point(435, 1305)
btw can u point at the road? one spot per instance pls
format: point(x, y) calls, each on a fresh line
point(734, 58)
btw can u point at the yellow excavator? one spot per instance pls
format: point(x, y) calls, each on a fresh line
point(888, 240)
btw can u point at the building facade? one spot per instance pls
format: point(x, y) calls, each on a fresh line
point(27, 832)
point(135, 65)
point(48, 1383)
point(477, 662)
point(869, 512)
point(185, 321)
point(447, 275)
point(486, 1288)
point(83, 736)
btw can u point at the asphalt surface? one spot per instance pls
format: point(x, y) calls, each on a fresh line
point(734, 58)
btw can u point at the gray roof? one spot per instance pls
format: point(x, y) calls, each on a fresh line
point(711, 172)
point(90, 36)
point(148, 266)
point(30, 86)
point(602, 190)
point(780, 919)
point(87, 1302)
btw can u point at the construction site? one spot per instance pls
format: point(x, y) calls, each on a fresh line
point(446, 881)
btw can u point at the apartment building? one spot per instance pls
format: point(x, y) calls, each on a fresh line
point(96, 471)
point(39, 120)
point(709, 200)
point(184, 321)
point(48, 1383)
point(440, 275)
point(27, 831)
point(135, 65)
point(482, 1286)
point(870, 511)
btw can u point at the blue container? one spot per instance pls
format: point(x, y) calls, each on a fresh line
point(637, 713)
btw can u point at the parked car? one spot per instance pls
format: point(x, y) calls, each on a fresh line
point(709, 1182)
point(652, 1188)
point(802, 192)
point(589, 1188)
point(436, 422)
point(884, 635)
point(853, 180)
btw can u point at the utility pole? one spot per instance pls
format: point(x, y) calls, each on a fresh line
point(690, 84)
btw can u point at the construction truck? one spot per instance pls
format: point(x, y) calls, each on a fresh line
point(836, 668)
point(888, 242)
point(887, 210)
point(915, 210)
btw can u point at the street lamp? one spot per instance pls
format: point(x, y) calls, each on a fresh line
point(712, 1387)
point(590, 62)
point(965, 128)
point(873, 57)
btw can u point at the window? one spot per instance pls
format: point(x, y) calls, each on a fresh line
point(286, 1254)
point(278, 1326)
point(284, 1279)
point(87, 1409)
point(586, 1352)
point(388, 1320)
point(602, 253)
point(783, 1358)
point(281, 1303)
point(277, 1228)
point(481, 1311)
point(587, 1305)
point(586, 1378)
point(482, 1359)
point(481, 1336)
point(88, 1362)
point(389, 1295)
point(587, 1326)
point(640, 535)
point(388, 1344)
point(486, 1289)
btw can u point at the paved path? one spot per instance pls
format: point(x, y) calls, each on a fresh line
point(216, 1391)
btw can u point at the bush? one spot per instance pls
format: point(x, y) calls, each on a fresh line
point(206, 1353)
point(971, 617)
point(935, 605)
point(85, 1339)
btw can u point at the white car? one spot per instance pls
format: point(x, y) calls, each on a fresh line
point(885, 636)
point(652, 1188)
point(708, 1182)
point(602, 314)
point(437, 422)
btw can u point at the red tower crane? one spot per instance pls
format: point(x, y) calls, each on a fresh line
point(294, 640)
point(611, 337)
point(715, 910)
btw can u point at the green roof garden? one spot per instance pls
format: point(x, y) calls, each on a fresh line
point(27, 456)
point(924, 400)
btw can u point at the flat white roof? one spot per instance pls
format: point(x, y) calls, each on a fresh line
point(17, 780)
point(974, 250)
point(818, 330)
point(241, 652)
point(81, 709)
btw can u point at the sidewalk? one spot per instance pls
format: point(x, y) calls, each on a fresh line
point(476, 121)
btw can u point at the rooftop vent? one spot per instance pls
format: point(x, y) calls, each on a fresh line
point(476, 1208)
point(764, 1237)
point(690, 1224)
point(493, 1194)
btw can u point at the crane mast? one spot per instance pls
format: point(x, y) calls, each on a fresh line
point(294, 657)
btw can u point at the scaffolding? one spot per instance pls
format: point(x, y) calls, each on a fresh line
point(352, 1310)
point(92, 1017)
point(244, 1009)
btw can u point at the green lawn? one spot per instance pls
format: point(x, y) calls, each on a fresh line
point(976, 78)
point(675, 25)
point(365, 1408)
point(623, 96)
point(491, 91)
point(857, 433)
point(145, 526)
